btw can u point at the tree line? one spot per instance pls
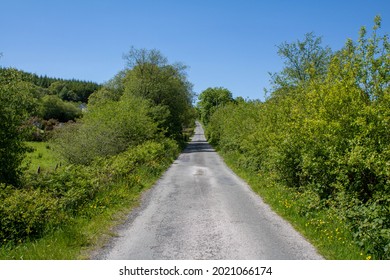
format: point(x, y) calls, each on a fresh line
point(322, 133)
point(67, 89)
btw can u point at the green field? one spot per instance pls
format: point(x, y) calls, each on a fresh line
point(42, 157)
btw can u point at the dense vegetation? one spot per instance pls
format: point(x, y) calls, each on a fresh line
point(319, 145)
point(16, 104)
point(50, 100)
point(30, 111)
point(322, 137)
point(132, 129)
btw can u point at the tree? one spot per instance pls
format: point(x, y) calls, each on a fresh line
point(368, 62)
point(16, 103)
point(304, 60)
point(67, 94)
point(116, 84)
point(211, 99)
point(56, 87)
point(165, 85)
point(144, 58)
point(73, 90)
point(103, 95)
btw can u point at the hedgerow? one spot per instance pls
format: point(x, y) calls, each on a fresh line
point(51, 200)
point(325, 138)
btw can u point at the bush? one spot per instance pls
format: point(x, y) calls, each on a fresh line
point(54, 199)
point(55, 108)
point(107, 129)
point(26, 213)
point(151, 155)
point(49, 201)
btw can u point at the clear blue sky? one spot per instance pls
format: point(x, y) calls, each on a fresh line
point(225, 43)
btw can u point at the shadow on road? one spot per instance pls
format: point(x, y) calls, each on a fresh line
point(198, 147)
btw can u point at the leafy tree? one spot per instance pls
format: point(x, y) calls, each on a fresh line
point(304, 60)
point(81, 89)
point(144, 58)
point(103, 95)
point(16, 103)
point(211, 99)
point(368, 62)
point(165, 85)
point(116, 84)
point(69, 90)
point(67, 94)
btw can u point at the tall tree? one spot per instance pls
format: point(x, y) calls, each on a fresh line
point(150, 76)
point(212, 98)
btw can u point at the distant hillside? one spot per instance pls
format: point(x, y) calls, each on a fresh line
point(68, 90)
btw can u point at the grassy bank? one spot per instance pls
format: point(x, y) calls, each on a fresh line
point(323, 228)
point(86, 232)
point(69, 212)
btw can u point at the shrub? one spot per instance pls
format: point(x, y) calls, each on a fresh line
point(26, 213)
point(55, 108)
point(151, 155)
point(106, 129)
point(54, 199)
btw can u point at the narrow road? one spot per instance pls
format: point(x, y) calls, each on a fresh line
point(200, 209)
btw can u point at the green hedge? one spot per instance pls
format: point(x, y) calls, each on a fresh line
point(327, 139)
point(50, 200)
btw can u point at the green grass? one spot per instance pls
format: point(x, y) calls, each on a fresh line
point(322, 228)
point(42, 157)
point(87, 232)
point(93, 225)
point(82, 235)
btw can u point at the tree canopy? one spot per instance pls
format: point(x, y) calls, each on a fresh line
point(212, 98)
point(165, 85)
point(303, 61)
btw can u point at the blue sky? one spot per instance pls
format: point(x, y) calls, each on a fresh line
point(225, 43)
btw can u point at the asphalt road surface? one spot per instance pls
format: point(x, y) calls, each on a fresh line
point(200, 209)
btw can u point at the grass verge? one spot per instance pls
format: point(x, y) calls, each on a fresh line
point(113, 188)
point(84, 233)
point(322, 228)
